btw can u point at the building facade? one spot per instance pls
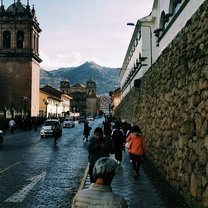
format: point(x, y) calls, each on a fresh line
point(115, 99)
point(152, 34)
point(19, 59)
point(169, 103)
point(53, 103)
point(84, 100)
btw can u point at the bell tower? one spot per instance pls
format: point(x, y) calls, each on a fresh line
point(19, 58)
point(91, 100)
point(91, 88)
point(65, 86)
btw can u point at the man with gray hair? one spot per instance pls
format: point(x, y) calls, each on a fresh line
point(100, 194)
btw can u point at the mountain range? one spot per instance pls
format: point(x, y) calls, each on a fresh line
point(107, 79)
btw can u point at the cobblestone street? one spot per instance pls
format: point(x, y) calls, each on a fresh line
point(35, 173)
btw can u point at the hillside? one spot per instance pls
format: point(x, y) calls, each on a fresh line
point(107, 79)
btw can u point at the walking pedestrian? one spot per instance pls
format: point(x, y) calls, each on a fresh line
point(107, 128)
point(98, 146)
point(86, 131)
point(117, 140)
point(56, 131)
point(136, 149)
point(100, 194)
point(12, 126)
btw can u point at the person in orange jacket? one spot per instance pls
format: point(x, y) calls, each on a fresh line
point(136, 149)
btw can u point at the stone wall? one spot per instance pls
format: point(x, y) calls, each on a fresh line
point(171, 107)
point(15, 79)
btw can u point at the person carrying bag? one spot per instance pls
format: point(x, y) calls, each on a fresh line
point(136, 148)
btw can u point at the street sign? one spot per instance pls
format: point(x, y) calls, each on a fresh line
point(104, 101)
point(104, 104)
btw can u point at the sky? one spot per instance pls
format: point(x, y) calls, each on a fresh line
point(76, 31)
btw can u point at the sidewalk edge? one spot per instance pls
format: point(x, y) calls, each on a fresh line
point(84, 178)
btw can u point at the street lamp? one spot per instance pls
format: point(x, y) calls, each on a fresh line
point(46, 101)
point(150, 29)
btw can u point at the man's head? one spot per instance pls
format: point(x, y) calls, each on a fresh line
point(98, 133)
point(104, 169)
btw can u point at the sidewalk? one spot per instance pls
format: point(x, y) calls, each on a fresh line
point(140, 192)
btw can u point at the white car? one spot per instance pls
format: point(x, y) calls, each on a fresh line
point(46, 129)
point(68, 122)
point(90, 118)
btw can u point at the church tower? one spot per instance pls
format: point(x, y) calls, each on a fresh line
point(19, 58)
point(91, 88)
point(65, 86)
point(91, 99)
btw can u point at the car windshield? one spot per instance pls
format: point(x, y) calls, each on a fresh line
point(49, 123)
point(68, 119)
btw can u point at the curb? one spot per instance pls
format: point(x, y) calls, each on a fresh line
point(84, 178)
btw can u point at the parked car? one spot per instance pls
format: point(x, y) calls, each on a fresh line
point(82, 119)
point(68, 122)
point(46, 129)
point(90, 118)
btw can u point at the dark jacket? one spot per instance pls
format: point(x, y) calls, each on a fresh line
point(86, 129)
point(117, 138)
point(98, 149)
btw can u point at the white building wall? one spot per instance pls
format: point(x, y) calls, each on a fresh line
point(144, 47)
point(145, 50)
point(180, 21)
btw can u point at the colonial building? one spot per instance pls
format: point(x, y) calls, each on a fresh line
point(152, 34)
point(19, 59)
point(53, 103)
point(115, 98)
point(84, 96)
point(168, 53)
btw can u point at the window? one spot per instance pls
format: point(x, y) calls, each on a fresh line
point(6, 39)
point(20, 39)
point(174, 6)
point(162, 20)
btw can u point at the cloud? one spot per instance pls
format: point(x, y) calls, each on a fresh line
point(83, 31)
point(72, 60)
point(60, 60)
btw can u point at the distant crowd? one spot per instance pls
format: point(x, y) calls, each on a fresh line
point(105, 149)
point(27, 123)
